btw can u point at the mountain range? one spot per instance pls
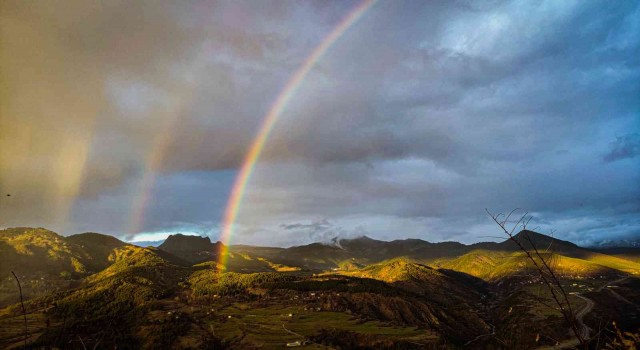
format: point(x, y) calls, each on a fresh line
point(92, 288)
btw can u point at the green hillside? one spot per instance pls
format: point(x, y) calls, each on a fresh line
point(495, 265)
point(111, 303)
point(101, 250)
point(107, 293)
point(44, 261)
point(38, 251)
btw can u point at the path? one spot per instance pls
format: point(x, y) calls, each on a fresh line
point(585, 331)
point(292, 332)
point(611, 283)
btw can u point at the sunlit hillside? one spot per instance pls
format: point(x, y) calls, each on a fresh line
point(176, 296)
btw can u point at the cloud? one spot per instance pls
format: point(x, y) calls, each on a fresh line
point(416, 119)
point(96, 94)
point(316, 231)
point(624, 147)
point(447, 128)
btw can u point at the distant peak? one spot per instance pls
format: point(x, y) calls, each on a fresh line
point(96, 238)
point(532, 235)
point(537, 238)
point(180, 236)
point(191, 248)
point(179, 241)
point(363, 238)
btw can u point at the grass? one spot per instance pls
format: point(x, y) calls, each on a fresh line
point(267, 327)
point(12, 330)
point(615, 263)
point(494, 265)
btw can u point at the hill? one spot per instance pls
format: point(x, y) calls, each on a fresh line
point(39, 251)
point(193, 249)
point(92, 290)
point(421, 278)
point(44, 261)
point(505, 259)
point(627, 253)
point(101, 250)
point(110, 305)
point(487, 260)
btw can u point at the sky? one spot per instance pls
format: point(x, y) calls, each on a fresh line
point(133, 118)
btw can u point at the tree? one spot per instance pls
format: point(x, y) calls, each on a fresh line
point(543, 265)
point(24, 311)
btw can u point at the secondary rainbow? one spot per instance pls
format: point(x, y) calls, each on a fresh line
point(240, 184)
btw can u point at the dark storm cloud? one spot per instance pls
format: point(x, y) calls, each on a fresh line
point(462, 113)
point(419, 117)
point(624, 147)
point(91, 88)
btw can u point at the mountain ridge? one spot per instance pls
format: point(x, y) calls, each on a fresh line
point(445, 291)
point(91, 252)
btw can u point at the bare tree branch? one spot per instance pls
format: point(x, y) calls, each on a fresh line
point(544, 269)
point(24, 311)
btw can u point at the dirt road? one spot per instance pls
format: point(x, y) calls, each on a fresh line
point(612, 283)
point(585, 331)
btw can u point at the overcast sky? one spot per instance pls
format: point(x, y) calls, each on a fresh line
point(132, 118)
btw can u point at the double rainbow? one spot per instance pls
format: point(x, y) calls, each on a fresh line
point(240, 184)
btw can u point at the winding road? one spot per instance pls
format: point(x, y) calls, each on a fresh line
point(585, 331)
point(293, 333)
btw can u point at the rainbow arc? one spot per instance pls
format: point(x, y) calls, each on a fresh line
point(246, 170)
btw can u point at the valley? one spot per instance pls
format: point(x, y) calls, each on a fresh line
point(94, 291)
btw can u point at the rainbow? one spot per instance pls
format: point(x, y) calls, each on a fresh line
point(168, 121)
point(240, 184)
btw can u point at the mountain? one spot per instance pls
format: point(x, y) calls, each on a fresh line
point(534, 240)
point(359, 251)
point(617, 243)
point(420, 278)
point(494, 261)
point(110, 305)
point(374, 249)
point(19, 246)
point(101, 250)
point(46, 262)
point(147, 301)
point(201, 252)
point(193, 249)
point(93, 290)
point(489, 260)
